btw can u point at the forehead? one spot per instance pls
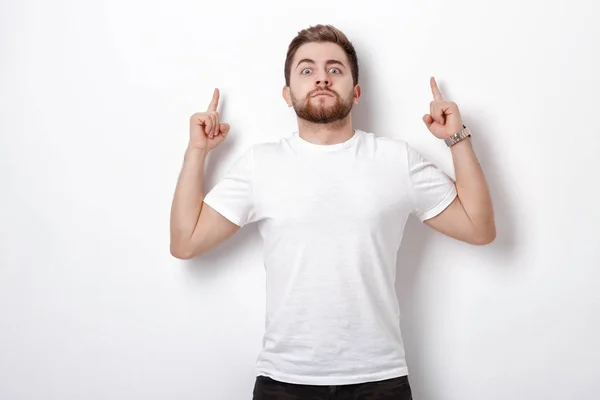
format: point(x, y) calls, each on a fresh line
point(320, 52)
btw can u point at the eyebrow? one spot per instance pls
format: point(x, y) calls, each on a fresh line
point(328, 62)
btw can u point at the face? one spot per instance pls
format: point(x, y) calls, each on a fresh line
point(321, 88)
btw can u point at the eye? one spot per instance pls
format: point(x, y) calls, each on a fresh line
point(305, 69)
point(338, 71)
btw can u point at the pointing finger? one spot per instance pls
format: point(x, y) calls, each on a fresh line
point(437, 95)
point(215, 101)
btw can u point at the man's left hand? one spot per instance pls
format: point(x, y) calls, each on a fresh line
point(444, 118)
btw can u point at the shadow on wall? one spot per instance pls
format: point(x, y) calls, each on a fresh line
point(362, 114)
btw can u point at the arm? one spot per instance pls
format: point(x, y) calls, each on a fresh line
point(470, 217)
point(195, 226)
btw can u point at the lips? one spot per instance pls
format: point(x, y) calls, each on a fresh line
point(322, 94)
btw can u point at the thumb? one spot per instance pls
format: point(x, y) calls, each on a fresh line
point(428, 120)
point(224, 128)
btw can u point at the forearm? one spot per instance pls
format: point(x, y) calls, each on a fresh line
point(188, 198)
point(472, 188)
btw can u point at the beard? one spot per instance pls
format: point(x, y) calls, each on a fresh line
point(315, 111)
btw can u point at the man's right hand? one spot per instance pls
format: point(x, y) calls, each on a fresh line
point(206, 129)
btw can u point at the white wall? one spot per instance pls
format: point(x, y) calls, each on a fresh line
point(94, 106)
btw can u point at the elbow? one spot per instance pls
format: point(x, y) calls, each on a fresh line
point(181, 252)
point(485, 237)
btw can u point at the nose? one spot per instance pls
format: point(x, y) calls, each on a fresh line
point(322, 80)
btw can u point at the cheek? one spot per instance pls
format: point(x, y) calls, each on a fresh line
point(300, 93)
point(301, 85)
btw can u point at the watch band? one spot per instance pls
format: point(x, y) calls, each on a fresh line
point(457, 137)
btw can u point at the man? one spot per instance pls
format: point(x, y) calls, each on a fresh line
point(331, 204)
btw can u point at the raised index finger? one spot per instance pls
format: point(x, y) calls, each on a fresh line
point(437, 95)
point(215, 101)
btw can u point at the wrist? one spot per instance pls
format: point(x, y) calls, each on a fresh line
point(195, 152)
point(466, 142)
point(458, 137)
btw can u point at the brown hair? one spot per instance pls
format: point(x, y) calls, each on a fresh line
point(320, 34)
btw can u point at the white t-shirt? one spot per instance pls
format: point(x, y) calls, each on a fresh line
point(331, 218)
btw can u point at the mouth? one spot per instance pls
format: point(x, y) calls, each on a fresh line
point(322, 95)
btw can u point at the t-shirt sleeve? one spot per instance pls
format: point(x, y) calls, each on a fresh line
point(432, 190)
point(232, 196)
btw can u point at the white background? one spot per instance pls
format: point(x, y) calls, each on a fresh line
point(95, 102)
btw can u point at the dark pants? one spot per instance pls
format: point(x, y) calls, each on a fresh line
point(266, 388)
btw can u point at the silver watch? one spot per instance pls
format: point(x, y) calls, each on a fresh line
point(457, 137)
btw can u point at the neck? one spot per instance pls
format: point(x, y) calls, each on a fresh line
point(332, 133)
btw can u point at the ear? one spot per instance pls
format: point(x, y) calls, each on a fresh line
point(357, 94)
point(287, 96)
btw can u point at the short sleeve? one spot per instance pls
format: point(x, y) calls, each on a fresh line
point(432, 190)
point(232, 196)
